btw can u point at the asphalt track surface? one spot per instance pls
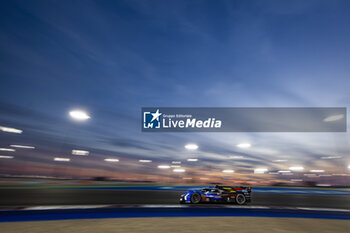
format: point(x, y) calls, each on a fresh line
point(30, 197)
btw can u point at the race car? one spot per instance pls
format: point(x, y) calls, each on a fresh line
point(220, 194)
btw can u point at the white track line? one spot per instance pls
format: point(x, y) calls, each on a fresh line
point(322, 209)
point(61, 207)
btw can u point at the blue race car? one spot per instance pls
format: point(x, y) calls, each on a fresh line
point(220, 194)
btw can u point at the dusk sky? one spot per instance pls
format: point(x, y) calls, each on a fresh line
point(110, 58)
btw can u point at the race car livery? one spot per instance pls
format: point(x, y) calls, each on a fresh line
point(225, 194)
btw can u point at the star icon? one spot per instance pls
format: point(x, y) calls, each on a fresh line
point(156, 115)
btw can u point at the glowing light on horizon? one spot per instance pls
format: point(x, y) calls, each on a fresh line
point(192, 160)
point(228, 171)
point(7, 149)
point(80, 152)
point(79, 115)
point(284, 171)
point(260, 170)
point(279, 160)
point(236, 157)
point(331, 157)
point(145, 161)
point(6, 157)
point(62, 159)
point(191, 147)
point(296, 168)
point(111, 160)
point(163, 166)
point(22, 146)
point(10, 130)
point(179, 170)
point(317, 171)
point(244, 145)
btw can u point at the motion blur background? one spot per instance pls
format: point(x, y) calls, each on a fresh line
point(75, 74)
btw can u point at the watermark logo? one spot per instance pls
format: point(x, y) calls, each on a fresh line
point(152, 120)
point(177, 119)
point(202, 119)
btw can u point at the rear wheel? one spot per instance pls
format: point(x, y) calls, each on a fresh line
point(195, 198)
point(240, 199)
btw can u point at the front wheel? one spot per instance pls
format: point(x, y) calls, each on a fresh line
point(195, 198)
point(240, 199)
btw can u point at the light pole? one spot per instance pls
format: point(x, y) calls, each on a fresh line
point(191, 147)
point(76, 115)
point(79, 115)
